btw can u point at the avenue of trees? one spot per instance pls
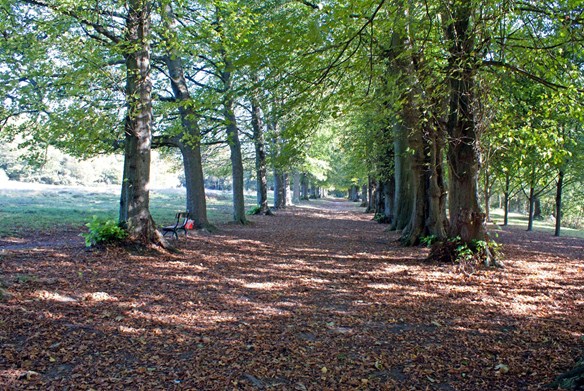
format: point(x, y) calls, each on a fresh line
point(427, 111)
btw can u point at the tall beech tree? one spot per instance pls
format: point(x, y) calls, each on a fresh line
point(188, 141)
point(135, 195)
point(119, 30)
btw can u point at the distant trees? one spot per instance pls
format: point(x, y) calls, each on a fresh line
point(414, 101)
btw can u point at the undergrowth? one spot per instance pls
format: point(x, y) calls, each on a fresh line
point(103, 231)
point(467, 256)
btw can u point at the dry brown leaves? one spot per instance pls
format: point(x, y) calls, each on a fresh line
point(309, 299)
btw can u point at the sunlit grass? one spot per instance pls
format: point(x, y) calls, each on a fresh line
point(517, 220)
point(25, 211)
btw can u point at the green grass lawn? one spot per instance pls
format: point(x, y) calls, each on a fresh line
point(517, 220)
point(49, 208)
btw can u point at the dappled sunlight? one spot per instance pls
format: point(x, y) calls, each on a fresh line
point(54, 296)
point(296, 292)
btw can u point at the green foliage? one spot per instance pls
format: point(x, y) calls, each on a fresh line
point(429, 240)
point(254, 211)
point(102, 231)
point(467, 255)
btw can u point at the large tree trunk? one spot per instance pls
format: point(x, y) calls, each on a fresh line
point(559, 189)
point(260, 157)
point(279, 190)
point(313, 191)
point(531, 208)
point(296, 188)
point(436, 222)
point(537, 209)
point(403, 195)
point(135, 196)
point(364, 201)
point(189, 140)
point(414, 229)
point(195, 183)
point(304, 191)
point(466, 219)
point(235, 149)
point(354, 193)
point(371, 195)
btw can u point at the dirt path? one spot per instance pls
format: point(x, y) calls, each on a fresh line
point(316, 297)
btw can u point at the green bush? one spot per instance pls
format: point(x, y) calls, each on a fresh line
point(102, 231)
point(254, 211)
point(429, 240)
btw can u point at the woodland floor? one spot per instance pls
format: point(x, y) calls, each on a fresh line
point(317, 297)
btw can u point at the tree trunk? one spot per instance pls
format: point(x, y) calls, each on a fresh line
point(235, 148)
point(313, 191)
point(506, 200)
point(305, 192)
point(379, 207)
point(436, 222)
point(466, 219)
point(531, 208)
point(403, 195)
point(287, 192)
point(135, 196)
point(559, 189)
point(189, 141)
point(414, 229)
point(260, 156)
point(371, 195)
point(537, 209)
point(279, 190)
point(487, 194)
point(388, 198)
point(195, 184)
point(296, 189)
point(364, 201)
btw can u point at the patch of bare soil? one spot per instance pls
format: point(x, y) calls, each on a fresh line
point(311, 298)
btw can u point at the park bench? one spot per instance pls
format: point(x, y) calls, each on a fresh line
point(182, 219)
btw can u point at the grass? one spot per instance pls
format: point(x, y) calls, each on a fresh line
point(517, 220)
point(23, 211)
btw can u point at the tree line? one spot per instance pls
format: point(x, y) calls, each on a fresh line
point(424, 104)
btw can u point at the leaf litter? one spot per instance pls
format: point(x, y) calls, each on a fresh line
point(309, 299)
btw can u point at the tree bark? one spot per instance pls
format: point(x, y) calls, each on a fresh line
point(487, 193)
point(403, 194)
point(364, 201)
point(466, 219)
point(506, 200)
point(371, 194)
point(436, 223)
point(260, 156)
point(531, 208)
point(135, 196)
point(279, 190)
point(304, 191)
point(296, 188)
point(189, 141)
point(414, 228)
point(559, 190)
point(537, 209)
point(235, 149)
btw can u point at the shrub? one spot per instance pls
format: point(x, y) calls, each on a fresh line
point(254, 211)
point(102, 231)
point(466, 255)
point(428, 241)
